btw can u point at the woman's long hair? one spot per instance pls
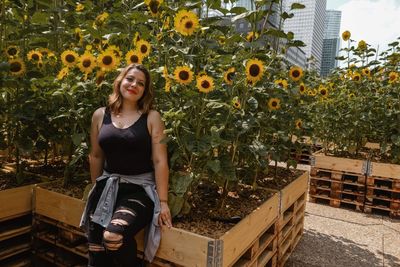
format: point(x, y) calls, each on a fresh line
point(145, 103)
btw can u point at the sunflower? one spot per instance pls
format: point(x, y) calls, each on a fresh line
point(356, 77)
point(302, 88)
point(362, 45)
point(205, 83)
point(298, 124)
point(167, 87)
point(346, 35)
point(351, 95)
point(295, 73)
point(100, 76)
point(79, 7)
point(282, 83)
point(143, 47)
point(153, 6)
point(236, 103)
point(47, 52)
point(34, 55)
point(393, 76)
point(221, 40)
point(166, 23)
point(229, 75)
point(107, 60)
point(135, 38)
point(12, 51)
point(100, 20)
point(366, 72)
point(183, 75)
point(252, 36)
point(63, 72)
point(254, 70)
point(133, 56)
point(186, 22)
point(87, 62)
point(274, 104)
point(115, 49)
point(17, 66)
point(69, 58)
point(323, 91)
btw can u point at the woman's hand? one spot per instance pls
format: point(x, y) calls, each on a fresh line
point(164, 219)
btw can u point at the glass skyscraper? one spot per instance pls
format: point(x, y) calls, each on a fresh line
point(331, 42)
point(308, 26)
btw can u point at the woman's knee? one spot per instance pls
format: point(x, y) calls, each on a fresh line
point(112, 241)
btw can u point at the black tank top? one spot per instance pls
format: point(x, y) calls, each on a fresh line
point(127, 151)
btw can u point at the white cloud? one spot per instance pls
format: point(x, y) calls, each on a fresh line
point(375, 21)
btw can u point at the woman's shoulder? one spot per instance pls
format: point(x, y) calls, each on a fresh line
point(99, 113)
point(153, 116)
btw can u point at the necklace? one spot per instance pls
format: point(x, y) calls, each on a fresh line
point(124, 121)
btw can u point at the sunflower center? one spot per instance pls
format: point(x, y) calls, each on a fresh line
point(183, 75)
point(205, 84)
point(70, 58)
point(12, 51)
point(153, 6)
point(392, 77)
point(189, 24)
point(296, 73)
point(230, 76)
point(15, 67)
point(323, 92)
point(35, 57)
point(107, 60)
point(134, 59)
point(254, 70)
point(86, 63)
point(356, 78)
point(302, 88)
point(143, 49)
point(274, 104)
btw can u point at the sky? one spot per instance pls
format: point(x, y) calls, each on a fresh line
point(375, 21)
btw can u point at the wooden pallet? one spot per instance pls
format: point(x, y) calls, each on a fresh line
point(385, 183)
point(178, 246)
point(337, 203)
point(19, 202)
point(343, 165)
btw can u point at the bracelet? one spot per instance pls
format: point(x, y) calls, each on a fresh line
point(163, 200)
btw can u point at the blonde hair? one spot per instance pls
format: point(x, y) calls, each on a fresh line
point(145, 103)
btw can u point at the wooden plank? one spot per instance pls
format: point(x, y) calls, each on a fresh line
point(237, 240)
point(15, 232)
point(57, 206)
point(293, 191)
point(180, 247)
point(338, 164)
point(15, 202)
point(385, 170)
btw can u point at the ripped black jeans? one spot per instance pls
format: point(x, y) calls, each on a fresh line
point(115, 245)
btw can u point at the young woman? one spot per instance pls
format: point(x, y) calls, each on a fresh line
point(129, 165)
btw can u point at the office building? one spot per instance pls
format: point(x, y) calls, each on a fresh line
point(331, 43)
point(308, 26)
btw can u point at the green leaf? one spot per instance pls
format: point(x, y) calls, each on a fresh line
point(297, 6)
point(77, 138)
point(214, 165)
point(242, 16)
point(285, 15)
point(40, 18)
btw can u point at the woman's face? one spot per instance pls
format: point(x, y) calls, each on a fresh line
point(133, 85)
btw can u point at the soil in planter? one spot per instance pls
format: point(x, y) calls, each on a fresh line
point(33, 172)
point(205, 217)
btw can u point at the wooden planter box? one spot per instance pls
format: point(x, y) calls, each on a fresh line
point(16, 224)
point(291, 217)
point(383, 189)
point(251, 242)
point(338, 182)
point(15, 202)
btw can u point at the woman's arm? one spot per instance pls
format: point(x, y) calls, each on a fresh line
point(96, 156)
point(160, 161)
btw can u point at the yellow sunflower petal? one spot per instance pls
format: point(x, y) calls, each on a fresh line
point(17, 67)
point(183, 75)
point(254, 70)
point(205, 83)
point(69, 58)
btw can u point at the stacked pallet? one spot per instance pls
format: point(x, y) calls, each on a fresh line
point(291, 217)
point(383, 189)
point(305, 147)
point(337, 189)
point(15, 226)
point(58, 244)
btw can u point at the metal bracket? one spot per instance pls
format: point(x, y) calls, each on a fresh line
point(214, 253)
point(312, 161)
point(367, 168)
